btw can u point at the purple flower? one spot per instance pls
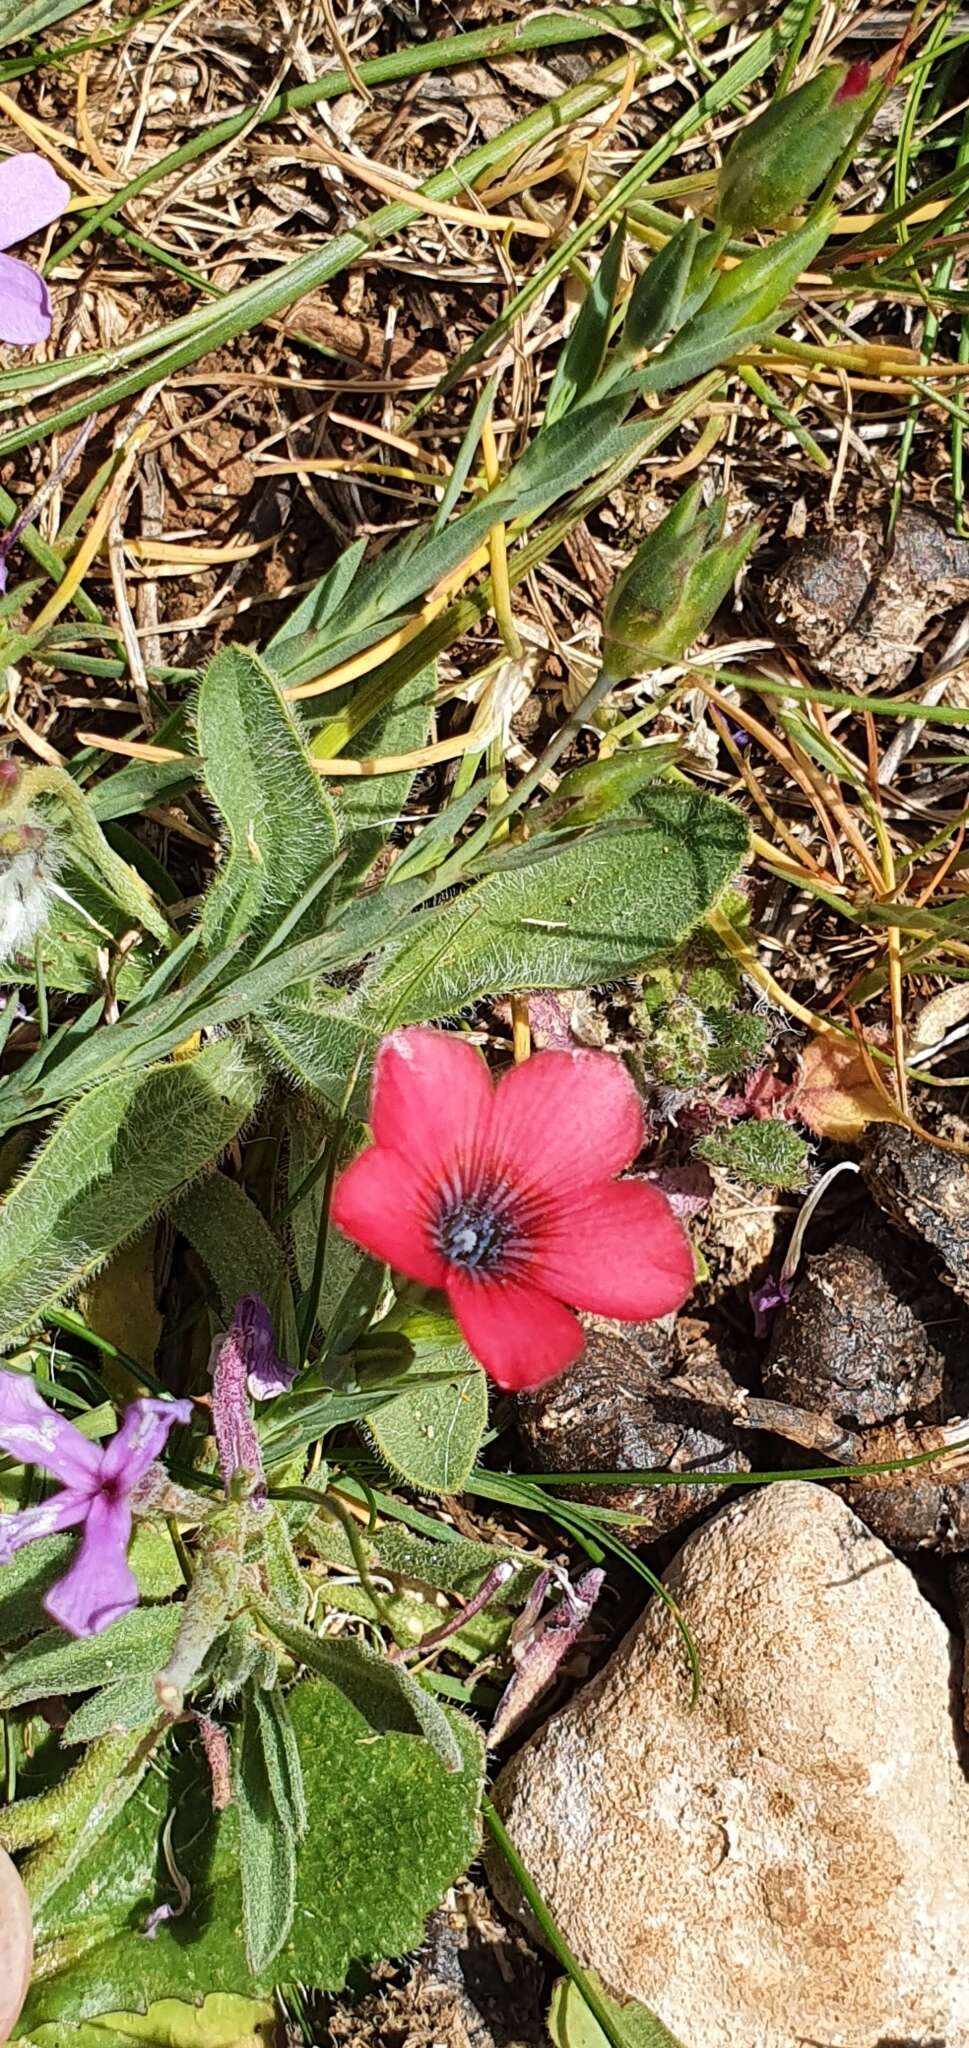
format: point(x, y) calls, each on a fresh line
point(96, 1488)
point(31, 196)
point(540, 1644)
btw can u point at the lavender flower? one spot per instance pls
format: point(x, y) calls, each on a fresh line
point(97, 1484)
point(266, 1373)
point(31, 196)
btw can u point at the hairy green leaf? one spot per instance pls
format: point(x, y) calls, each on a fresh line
point(430, 1436)
point(235, 1241)
point(318, 1046)
point(112, 1162)
point(128, 1704)
point(139, 1643)
point(369, 806)
point(656, 297)
point(582, 358)
point(586, 912)
point(222, 2021)
point(268, 1787)
point(386, 1694)
point(767, 1152)
point(388, 1830)
point(281, 827)
point(22, 18)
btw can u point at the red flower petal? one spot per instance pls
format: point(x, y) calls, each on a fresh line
point(432, 1097)
point(521, 1336)
point(566, 1118)
point(620, 1252)
point(378, 1201)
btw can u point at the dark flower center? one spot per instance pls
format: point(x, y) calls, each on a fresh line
point(473, 1233)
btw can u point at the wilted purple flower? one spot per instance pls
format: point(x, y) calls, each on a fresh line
point(31, 196)
point(769, 1295)
point(539, 1647)
point(97, 1483)
point(244, 1362)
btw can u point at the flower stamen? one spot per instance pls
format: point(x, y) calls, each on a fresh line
point(472, 1232)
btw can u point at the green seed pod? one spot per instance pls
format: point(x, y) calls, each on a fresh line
point(775, 163)
point(667, 596)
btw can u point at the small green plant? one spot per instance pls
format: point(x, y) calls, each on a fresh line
point(765, 1151)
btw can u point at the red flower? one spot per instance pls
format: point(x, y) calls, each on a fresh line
point(504, 1197)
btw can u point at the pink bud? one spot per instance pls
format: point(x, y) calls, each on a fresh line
point(11, 774)
point(854, 82)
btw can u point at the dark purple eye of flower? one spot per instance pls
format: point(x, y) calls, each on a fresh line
point(473, 1233)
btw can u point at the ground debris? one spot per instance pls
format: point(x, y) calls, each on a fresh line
point(477, 1983)
point(637, 1399)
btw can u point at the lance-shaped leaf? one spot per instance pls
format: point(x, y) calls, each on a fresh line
point(281, 829)
point(113, 1162)
point(584, 353)
point(131, 1648)
point(369, 806)
point(240, 1251)
point(268, 1789)
point(656, 297)
point(388, 1697)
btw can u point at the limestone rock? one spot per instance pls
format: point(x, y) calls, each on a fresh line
point(789, 1863)
point(16, 1944)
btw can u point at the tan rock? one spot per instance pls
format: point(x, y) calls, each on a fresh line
point(788, 1865)
point(16, 1944)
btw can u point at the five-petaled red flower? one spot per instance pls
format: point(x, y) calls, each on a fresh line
point(505, 1198)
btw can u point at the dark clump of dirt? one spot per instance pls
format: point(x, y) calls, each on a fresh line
point(625, 1406)
point(856, 1341)
point(860, 609)
point(926, 1192)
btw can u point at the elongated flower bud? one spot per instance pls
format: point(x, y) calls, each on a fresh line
point(597, 788)
point(775, 163)
point(667, 596)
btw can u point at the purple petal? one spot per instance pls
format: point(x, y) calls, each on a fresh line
point(100, 1585)
point(31, 196)
point(62, 1511)
point(34, 1435)
point(141, 1438)
point(771, 1294)
point(266, 1373)
point(24, 303)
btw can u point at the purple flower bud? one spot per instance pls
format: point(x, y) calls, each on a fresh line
point(266, 1373)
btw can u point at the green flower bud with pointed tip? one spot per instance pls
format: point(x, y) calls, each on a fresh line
point(775, 163)
point(667, 596)
point(597, 788)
